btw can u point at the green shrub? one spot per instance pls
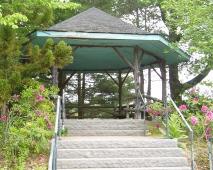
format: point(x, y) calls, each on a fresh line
point(28, 127)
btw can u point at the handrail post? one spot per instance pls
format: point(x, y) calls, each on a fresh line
point(210, 140)
point(63, 109)
point(192, 150)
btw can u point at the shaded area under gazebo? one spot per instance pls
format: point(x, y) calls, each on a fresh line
point(105, 44)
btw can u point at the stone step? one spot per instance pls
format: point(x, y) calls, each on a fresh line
point(95, 142)
point(122, 162)
point(103, 126)
point(119, 153)
point(106, 132)
point(110, 122)
point(145, 168)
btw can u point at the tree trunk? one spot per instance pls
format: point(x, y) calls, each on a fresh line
point(55, 76)
point(174, 82)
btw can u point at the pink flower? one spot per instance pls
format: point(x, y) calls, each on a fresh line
point(204, 109)
point(195, 100)
point(208, 133)
point(193, 91)
point(39, 98)
point(3, 118)
point(42, 88)
point(194, 120)
point(38, 113)
point(49, 125)
point(157, 126)
point(209, 115)
point(183, 107)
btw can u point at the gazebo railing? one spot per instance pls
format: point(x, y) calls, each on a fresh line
point(52, 165)
point(210, 144)
point(191, 133)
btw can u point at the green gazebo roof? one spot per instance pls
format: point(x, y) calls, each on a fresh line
point(94, 34)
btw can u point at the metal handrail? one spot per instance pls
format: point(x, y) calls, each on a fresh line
point(53, 152)
point(63, 109)
point(191, 133)
point(210, 143)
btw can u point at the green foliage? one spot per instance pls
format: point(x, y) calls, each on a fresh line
point(9, 63)
point(11, 20)
point(42, 59)
point(62, 53)
point(175, 125)
point(29, 124)
point(193, 21)
point(21, 13)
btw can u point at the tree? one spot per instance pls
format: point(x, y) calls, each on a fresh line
point(174, 14)
point(190, 22)
point(16, 21)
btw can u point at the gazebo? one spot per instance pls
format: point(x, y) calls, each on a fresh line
point(102, 43)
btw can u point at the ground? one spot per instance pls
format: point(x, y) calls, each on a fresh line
point(39, 162)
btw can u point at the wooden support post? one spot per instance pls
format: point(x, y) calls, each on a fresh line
point(80, 114)
point(163, 76)
point(164, 92)
point(135, 66)
point(137, 83)
point(149, 83)
point(142, 81)
point(120, 84)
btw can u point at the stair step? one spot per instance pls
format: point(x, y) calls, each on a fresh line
point(119, 153)
point(122, 162)
point(145, 168)
point(104, 126)
point(106, 133)
point(90, 142)
point(104, 121)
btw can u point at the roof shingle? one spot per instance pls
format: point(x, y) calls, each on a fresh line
point(96, 21)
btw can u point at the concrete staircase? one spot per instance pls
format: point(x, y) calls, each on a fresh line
point(94, 144)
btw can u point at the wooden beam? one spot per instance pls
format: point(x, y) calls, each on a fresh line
point(123, 58)
point(125, 77)
point(117, 83)
point(68, 79)
point(158, 58)
point(74, 48)
point(156, 72)
point(141, 55)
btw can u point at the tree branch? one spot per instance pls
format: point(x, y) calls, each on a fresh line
point(189, 84)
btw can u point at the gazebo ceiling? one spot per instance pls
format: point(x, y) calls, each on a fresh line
point(95, 36)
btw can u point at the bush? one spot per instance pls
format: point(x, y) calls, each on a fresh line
point(198, 110)
point(28, 126)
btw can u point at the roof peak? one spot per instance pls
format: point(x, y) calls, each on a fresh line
point(96, 21)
